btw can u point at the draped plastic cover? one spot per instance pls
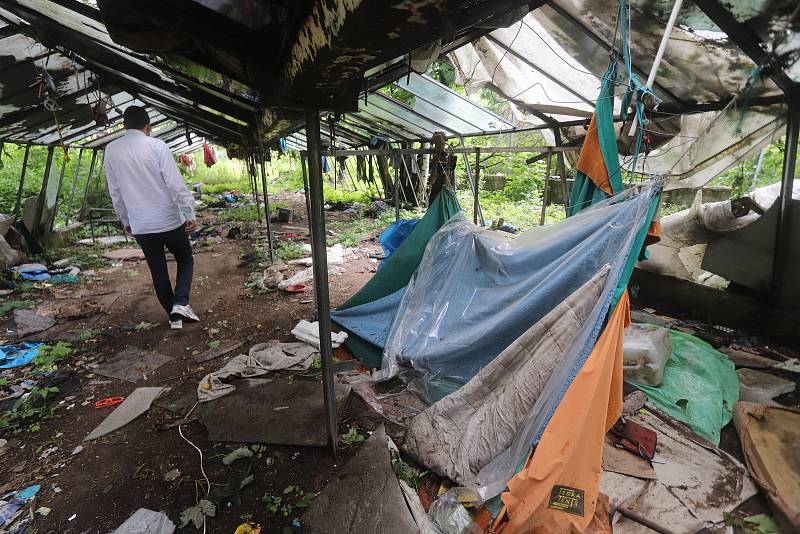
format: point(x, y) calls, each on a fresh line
point(476, 291)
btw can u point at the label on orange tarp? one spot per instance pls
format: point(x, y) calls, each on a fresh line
point(567, 499)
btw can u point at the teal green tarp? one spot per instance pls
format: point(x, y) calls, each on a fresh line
point(397, 270)
point(699, 386)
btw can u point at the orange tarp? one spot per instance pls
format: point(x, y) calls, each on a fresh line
point(557, 491)
point(590, 160)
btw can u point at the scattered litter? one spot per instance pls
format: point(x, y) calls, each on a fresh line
point(145, 521)
point(131, 364)
point(792, 365)
point(173, 475)
point(33, 272)
point(18, 354)
point(135, 405)
point(43, 511)
point(696, 482)
point(105, 241)
point(309, 333)
point(76, 450)
point(761, 388)
point(241, 452)
point(72, 517)
point(769, 437)
point(307, 275)
point(618, 460)
point(335, 255)
point(109, 401)
point(124, 254)
point(261, 359)
point(743, 358)
point(30, 322)
point(16, 500)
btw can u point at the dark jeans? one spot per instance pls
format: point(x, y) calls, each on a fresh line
point(178, 243)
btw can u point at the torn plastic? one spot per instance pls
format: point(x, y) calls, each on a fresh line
point(476, 291)
point(450, 516)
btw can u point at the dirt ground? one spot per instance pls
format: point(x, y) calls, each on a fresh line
point(96, 489)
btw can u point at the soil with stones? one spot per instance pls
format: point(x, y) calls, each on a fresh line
point(96, 489)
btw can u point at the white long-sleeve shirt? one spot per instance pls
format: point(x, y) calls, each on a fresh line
point(146, 187)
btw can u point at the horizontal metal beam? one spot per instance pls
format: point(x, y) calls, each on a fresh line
point(751, 44)
point(473, 150)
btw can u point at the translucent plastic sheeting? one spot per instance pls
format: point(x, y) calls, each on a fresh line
point(477, 291)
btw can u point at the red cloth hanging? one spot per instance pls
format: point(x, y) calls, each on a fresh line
point(209, 156)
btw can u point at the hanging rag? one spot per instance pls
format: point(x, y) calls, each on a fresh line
point(209, 155)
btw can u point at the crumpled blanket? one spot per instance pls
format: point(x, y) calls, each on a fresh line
point(261, 359)
point(459, 435)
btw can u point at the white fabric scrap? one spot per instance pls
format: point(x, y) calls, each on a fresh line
point(145, 521)
point(309, 333)
point(262, 358)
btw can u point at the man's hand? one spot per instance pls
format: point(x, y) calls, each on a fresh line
point(191, 226)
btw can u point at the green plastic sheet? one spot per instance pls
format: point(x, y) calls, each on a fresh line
point(699, 388)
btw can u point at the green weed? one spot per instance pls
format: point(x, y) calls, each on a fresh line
point(10, 305)
point(27, 414)
point(405, 471)
point(291, 499)
point(352, 436)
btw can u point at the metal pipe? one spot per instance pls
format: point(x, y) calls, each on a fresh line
point(546, 187)
point(21, 180)
point(470, 178)
point(662, 47)
point(475, 189)
point(320, 266)
point(783, 228)
point(463, 150)
point(74, 185)
point(396, 188)
point(266, 200)
point(410, 181)
point(87, 189)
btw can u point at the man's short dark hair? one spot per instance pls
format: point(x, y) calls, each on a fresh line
point(135, 118)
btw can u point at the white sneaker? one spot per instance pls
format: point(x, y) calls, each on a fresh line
point(175, 325)
point(184, 312)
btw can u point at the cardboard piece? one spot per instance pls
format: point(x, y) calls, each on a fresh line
point(132, 407)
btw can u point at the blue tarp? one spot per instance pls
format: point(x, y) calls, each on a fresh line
point(395, 234)
point(17, 355)
point(476, 290)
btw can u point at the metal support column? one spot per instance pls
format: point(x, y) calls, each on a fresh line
point(266, 200)
point(396, 187)
point(783, 229)
point(52, 219)
point(21, 180)
point(546, 186)
point(306, 190)
point(37, 221)
point(476, 186)
point(88, 188)
point(320, 266)
point(562, 170)
point(74, 185)
point(254, 181)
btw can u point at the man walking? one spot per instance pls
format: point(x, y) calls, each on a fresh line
point(155, 206)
